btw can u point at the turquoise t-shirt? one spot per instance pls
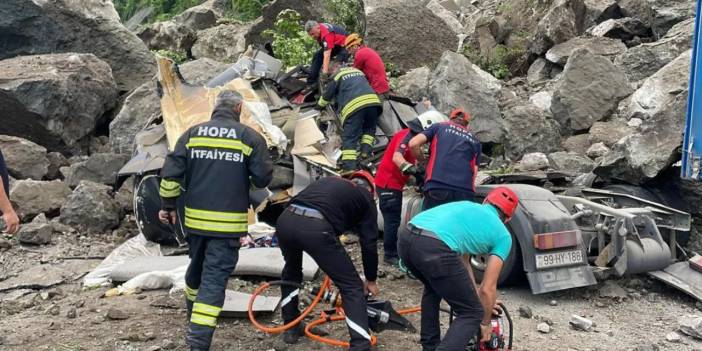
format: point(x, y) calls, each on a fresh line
point(467, 228)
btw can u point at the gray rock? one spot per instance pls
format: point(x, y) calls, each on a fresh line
point(446, 16)
point(32, 197)
point(222, 43)
point(673, 337)
point(41, 27)
point(607, 47)
point(691, 325)
point(625, 29)
point(612, 290)
point(542, 100)
point(580, 323)
point(56, 161)
point(55, 100)
point(597, 150)
point(533, 162)
point(36, 233)
point(543, 328)
point(116, 314)
point(414, 84)
point(168, 35)
point(539, 71)
point(125, 196)
point(570, 161)
point(99, 168)
point(528, 129)
point(526, 312)
point(609, 133)
point(660, 15)
point(201, 71)
point(202, 16)
point(91, 207)
point(390, 24)
point(576, 105)
point(563, 21)
point(24, 158)
point(553, 303)
point(577, 143)
point(598, 11)
point(99, 145)
point(456, 82)
point(141, 105)
point(642, 61)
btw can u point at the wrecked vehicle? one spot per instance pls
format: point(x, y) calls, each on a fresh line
point(564, 241)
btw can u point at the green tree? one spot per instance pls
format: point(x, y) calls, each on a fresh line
point(347, 13)
point(290, 42)
point(247, 10)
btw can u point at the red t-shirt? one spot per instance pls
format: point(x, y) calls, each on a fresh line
point(368, 61)
point(329, 38)
point(389, 175)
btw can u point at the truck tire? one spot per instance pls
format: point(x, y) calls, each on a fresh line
point(512, 269)
point(147, 203)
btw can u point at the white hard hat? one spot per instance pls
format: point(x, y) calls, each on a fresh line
point(431, 117)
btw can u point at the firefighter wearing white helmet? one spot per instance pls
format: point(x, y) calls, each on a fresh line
point(397, 165)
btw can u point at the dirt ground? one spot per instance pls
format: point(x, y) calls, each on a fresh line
point(67, 317)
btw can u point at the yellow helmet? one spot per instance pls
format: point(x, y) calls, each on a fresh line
point(353, 39)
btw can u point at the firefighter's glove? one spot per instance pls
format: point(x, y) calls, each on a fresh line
point(408, 169)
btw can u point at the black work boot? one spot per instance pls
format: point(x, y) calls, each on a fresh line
point(292, 335)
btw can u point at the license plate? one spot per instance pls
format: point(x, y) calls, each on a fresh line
point(558, 259)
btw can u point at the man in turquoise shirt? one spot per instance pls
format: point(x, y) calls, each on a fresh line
point(436, 247)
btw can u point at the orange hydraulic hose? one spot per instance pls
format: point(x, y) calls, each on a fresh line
point(275, 330)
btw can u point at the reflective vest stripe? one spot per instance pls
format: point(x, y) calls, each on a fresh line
point(205, 309)
point(357, 103)
point(367, 139)
point(200, 319)
point(346, 72)
point(190, 293)
point(289, 298)
point(169, 188)
point(221, 143)
point(217, 216)
point(357, 328)
point(220, 227)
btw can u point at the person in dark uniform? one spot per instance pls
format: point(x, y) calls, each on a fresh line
point(212, 166)
point(359, 108)
point(313, 222)
point(9, 216)
point(454, 156)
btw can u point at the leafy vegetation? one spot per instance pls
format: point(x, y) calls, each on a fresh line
point(346, 13)
point(177, 57)
point(290, 42)
point(163, 9)
point(246, 10)
point(497, 61)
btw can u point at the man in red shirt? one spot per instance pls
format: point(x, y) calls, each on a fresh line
point(394, 170)
point(331, 38)
point(369, 62)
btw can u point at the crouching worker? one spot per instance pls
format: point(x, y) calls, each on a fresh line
point(431, 247)
point(214, 163)
point(312, 223)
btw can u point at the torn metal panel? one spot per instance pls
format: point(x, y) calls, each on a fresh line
point(236, 304)
point(681, 276)
point(307, 172)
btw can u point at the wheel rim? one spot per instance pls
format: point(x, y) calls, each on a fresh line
point(479, 262)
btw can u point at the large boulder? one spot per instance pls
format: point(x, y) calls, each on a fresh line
point(446, 15)
point(660, 15)
point(598, 11)
point(54, 100)
point(32, 197)
point(91, 207)
point(202, 16)
point(222, 43)
point(201, 71)
point(607, 47)
point(577, 143)
point(168, 35)
point(570, 161)
point(395, 29)
point(38, 232)
point(56, 161)
point(609, 132)
point(414, 83)
point(456, 82)
point(661, 103)
point(563, 21)
point(24, 158)
point(589, 90)
point(528, 129)
point(539, 71)
point(533, 162)
point(62, 26)
point(99, 168)
point(642, 61)
point(621, 28)
point(139, 107)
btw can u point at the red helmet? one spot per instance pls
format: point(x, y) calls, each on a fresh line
point(460, 113)
point(504, 199)
point(363, 178)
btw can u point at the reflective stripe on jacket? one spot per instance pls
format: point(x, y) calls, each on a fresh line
point(351, 91)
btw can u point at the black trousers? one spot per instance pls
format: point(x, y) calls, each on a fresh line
point(444, 277)
point(212, 261)
point(438, 197)
point(359, 126)
point(318, 61)
point(391, 208)
point(316, 237)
